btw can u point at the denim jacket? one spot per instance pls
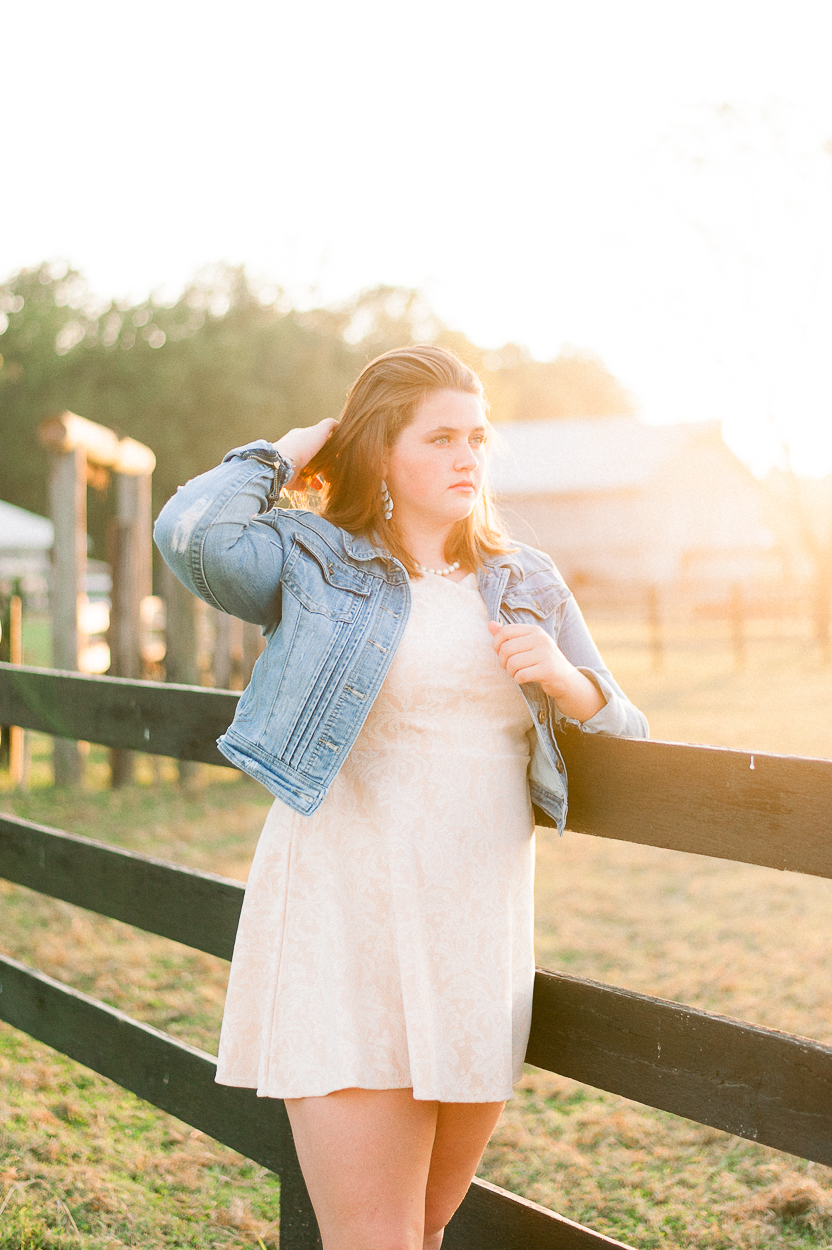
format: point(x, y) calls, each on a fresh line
point(333, 608)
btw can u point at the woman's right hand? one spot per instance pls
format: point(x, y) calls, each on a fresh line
point(300, 445)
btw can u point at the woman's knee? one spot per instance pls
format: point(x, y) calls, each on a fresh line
point(348, 1236)
point(437, 1216)
point(394, 1239)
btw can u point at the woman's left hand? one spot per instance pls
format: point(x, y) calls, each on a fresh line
point(528, 653)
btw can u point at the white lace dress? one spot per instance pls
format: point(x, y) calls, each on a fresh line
point(386, 941)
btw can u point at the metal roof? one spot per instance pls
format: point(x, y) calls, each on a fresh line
point(586, 453)
point(23, 531)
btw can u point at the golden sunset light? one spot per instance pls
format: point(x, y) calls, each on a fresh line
point(416, 625)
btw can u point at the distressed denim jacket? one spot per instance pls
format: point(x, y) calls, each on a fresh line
point(333, 608)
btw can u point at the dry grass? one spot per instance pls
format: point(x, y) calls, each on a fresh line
point(75, 1147)
point(778, 701)
point(744, 941)
point(732, 938)
point(77, 1153)
point(652, 1179)
point(84, 1163)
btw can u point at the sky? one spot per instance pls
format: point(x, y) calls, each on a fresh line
point(649, 181)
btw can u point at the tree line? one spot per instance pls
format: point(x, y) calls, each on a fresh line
point(228, 361)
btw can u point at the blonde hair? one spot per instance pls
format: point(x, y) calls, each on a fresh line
point(381, 403)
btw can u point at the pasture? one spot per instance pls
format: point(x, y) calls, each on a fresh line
point(84, 1163)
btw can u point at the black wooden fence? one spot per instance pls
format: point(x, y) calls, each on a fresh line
point(760, 1084)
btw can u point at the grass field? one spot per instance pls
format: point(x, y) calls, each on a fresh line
point(84, 1163)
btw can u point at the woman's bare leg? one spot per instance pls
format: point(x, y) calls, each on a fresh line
point(365, 1156)
point(462, 1133)
point(386, 1171)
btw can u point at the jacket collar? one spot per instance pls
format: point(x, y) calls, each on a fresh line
point(361, 547)
point(506, 560)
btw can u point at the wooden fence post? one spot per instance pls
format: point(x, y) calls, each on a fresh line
point(221, 651)
point(236, 645)
point(17, 736)
point(181, 646)
point(253, 644)
point(130, 562)
point(68, 508)
point(298, 1225)
point(79, 447)
point(5, 657)
point(229, 649)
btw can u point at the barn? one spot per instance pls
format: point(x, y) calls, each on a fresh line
point(618, 503)
point(25, 551)
point(26, 558)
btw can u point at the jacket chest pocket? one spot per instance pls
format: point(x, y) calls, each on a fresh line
point(322, 583)
point(535, 606)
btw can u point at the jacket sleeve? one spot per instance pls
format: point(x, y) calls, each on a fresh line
point(220, 537)
point(619, 716)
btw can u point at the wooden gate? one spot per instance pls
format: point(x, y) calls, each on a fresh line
point(770, 1087)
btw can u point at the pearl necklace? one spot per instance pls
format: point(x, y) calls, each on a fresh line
point(452, 568)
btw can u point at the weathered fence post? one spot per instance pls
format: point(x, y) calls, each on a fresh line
point(67, 591)
point(253, 644)
point(12, 737)
point(80, 448)
point(181, 645)
point(5, 657)
point(237, 644)
point(221, 653)
point(130, 562)
point(298, 1226)
point(17, 736)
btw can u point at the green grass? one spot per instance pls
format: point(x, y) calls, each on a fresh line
point(652, 1179)
point(37, 639)
point(778, 701)
point(745, 941)
point(85, 1163)
point(128, 1174)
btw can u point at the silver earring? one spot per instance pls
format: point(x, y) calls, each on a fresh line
point(386, 501)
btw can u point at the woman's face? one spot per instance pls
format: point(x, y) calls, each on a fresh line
point(435, 470)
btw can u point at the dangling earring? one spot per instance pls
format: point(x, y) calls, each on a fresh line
point(386, 501)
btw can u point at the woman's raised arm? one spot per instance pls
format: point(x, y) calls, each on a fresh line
point(219, 534)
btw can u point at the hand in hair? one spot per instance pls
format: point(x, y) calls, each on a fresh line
point(528, 653)
point(301, 445)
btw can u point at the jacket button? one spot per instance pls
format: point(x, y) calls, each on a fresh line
point(560, 766)
point(541, 716)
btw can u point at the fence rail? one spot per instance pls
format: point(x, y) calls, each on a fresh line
point(199, 909)
point(755, 808)
point(757, 1083)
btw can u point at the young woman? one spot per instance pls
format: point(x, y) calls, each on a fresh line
point(403, 714)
